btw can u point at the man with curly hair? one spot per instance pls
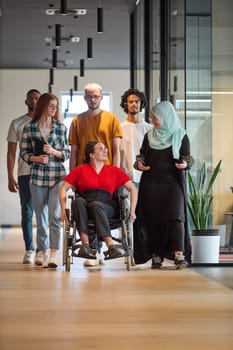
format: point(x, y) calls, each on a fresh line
point(133, 131)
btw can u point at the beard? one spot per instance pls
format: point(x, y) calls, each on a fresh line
point(133, 112)
point(94, 107)
point(31, 108)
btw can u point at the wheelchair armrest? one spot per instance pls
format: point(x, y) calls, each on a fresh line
point(124, 196)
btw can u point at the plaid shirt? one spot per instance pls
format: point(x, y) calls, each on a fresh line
point(49, 174)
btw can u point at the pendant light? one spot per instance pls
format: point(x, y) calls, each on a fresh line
point(82, 67)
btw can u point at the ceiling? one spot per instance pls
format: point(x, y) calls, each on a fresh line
point(27, 34)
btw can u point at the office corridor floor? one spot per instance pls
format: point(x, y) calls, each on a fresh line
point(108, 307)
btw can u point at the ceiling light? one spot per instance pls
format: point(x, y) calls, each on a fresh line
point(72, 39)
point(75, 83)
point(71, 95)
point(63, 7)
point(48, 40)
point(89, 48)
point(58, 35)
point(82, 67)
point(54, 58)
point(100, 24)
point(75, 39)
point(64, 63)
point(74, 12)
point(51, 76)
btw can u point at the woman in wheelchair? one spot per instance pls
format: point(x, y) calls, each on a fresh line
point(95, 183)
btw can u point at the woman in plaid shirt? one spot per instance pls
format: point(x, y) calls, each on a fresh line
point(44, 146)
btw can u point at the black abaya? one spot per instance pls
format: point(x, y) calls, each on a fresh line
point(161, 224)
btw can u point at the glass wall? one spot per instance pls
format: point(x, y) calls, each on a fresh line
point(139, 47)
point(155, 54)
point(199, 56)
point(222, 115)
point(198, 80)
point(177, 62)
point(172, 20)
point(209, 92)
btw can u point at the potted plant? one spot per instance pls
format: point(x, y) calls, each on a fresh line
point(205, 240)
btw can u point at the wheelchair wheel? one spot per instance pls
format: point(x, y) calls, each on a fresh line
point(66, 231)
point(126, 244)
point(68, 261)
point(130, 242)
point(128, 263)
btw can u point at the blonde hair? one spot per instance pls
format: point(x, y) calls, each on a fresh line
point(90, 86)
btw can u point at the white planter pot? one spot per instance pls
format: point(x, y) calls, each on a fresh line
point(205, 248)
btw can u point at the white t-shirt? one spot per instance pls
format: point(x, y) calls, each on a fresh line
point(132, 137)
point(15, 135)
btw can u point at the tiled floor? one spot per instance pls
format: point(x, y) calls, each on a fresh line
point(223, 275)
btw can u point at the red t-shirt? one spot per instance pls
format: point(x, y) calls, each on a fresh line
point(84, 178)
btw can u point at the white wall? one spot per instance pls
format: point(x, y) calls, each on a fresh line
point(13, 86)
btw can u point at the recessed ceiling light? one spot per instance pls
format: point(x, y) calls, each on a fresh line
point(75, 39)
point(48, 40)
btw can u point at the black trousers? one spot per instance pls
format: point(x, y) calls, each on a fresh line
point(95, 210)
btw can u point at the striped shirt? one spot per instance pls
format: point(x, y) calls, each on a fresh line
point(45, 175)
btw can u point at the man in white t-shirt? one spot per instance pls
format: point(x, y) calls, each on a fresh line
point(133, 131)
point(23, 172)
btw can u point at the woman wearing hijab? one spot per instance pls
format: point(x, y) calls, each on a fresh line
point(160, 229)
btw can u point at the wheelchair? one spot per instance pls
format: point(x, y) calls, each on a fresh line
point(72, 241)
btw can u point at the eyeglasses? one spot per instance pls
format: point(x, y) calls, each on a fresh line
point(92, 97)
point(53, 106)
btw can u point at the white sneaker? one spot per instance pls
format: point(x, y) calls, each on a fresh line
point(90, 262)
point(100, 258)
point(45, 260)
point(28, 257)
point(39, 258)
point(53, 260)
point(94, 262)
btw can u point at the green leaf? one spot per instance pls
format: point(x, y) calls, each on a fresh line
point(199, 196)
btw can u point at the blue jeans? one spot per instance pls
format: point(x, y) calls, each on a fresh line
point(26, 211)
point(46, 204)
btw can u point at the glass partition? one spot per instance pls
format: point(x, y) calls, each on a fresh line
point(177, 63)
point(198, 81)
point(200, 70)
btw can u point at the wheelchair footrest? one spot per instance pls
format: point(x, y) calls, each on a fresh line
point(83, 252)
